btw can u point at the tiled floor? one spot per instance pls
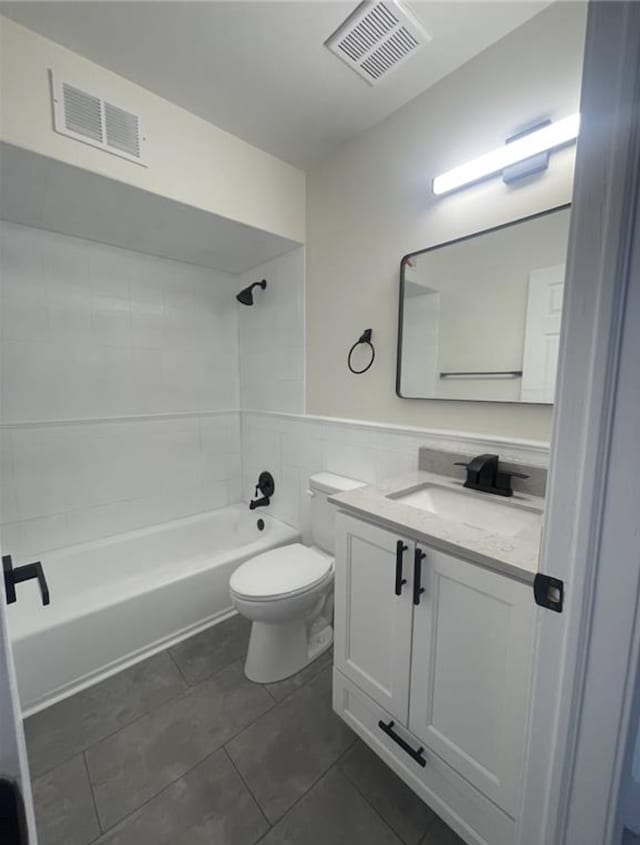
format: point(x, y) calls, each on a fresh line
point(183, 750)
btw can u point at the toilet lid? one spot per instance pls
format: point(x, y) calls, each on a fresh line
point(282, 571)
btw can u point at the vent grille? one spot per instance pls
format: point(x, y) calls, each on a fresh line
point(122, 130)
point(82, 112)
point(376, 38)
point(93, 120)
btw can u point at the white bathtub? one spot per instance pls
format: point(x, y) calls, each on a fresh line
point(118, 600)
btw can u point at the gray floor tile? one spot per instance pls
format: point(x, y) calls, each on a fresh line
point(398, 805)
point(131, 766)
point(282, 689)
point(332, 813)
point(286, 750)
point(70, 726)
point(64, 807)
point(441, 834)
point(202, 655)
point(208, 806)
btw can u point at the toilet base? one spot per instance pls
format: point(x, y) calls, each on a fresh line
point(278, 651)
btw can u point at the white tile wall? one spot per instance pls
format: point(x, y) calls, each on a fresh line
point(70, 483)
point(90, 332)
point(272, 337)
point(294, 447)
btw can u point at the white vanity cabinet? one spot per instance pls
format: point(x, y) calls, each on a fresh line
point(372, 636)
point(436, 678)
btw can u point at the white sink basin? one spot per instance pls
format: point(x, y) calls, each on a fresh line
point(477, 509)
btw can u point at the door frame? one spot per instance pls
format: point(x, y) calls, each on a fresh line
point(14, 762)
point(587, 657)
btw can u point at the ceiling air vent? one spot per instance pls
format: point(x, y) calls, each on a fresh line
point(377, 38)
point(92, 119)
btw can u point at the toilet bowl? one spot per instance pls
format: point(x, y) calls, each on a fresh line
point(287, 593)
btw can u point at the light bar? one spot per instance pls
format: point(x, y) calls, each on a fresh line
point(554, 135)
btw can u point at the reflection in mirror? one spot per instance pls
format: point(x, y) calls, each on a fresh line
point(480, 316)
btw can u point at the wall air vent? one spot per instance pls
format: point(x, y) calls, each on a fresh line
point(90, 118)
point(376, 38)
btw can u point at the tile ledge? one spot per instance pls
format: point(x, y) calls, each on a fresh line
point(168, 415)
point(532, 447)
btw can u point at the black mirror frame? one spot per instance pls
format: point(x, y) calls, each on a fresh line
point(409, 255)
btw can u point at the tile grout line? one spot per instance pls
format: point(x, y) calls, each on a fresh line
point(93, 797)
point(249, 790)
point(272, 696)
point(191, 768)
point(184, 691)
point(91, 745)
point(302, 685)
point(380, 816)
point(184, 774)
point(177, 665)
point(274, 704)
point(312, 785)
point(223, 747)
point(435, 821)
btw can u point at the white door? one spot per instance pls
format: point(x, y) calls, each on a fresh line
point(472, 657)
point(14, 767)
point(373, 611)
point(542, 334)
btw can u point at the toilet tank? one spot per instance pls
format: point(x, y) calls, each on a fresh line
point(321, 486)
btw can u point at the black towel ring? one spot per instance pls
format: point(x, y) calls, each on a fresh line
point(365, 337)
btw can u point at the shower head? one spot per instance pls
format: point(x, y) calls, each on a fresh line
point(246, 296)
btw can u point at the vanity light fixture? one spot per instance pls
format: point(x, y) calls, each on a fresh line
point(553, 135)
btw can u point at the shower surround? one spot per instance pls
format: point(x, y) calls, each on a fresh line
point(121, 379)
point(119, 373)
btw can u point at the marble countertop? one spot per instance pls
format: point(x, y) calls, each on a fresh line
point(516, 556)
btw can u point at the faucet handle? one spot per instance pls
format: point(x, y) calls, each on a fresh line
point(460, 464)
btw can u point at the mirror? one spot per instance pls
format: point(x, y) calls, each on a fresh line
point(480, 316)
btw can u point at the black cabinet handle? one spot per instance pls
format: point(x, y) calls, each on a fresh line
point(415, 755)
point(23, 573)
point(400, 550)
point(418, 589)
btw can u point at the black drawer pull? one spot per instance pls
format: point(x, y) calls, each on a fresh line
point(418, 589)
point(400, 550)
point(415, 755)
point(23, 573)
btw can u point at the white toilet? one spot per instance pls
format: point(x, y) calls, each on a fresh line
point(287, 593)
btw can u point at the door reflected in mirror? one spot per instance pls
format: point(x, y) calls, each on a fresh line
point(480, 316)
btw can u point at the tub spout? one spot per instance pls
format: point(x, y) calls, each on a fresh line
point(259, 503)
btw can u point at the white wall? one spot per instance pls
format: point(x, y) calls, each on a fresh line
point(189, 160)
point(271, 337)
point(370, 204)
point(119, 384)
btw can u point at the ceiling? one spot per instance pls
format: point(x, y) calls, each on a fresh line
point(260, 70)
point(48, 194)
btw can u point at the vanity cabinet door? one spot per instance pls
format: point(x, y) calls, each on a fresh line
point(373, 611)
point(473, 635)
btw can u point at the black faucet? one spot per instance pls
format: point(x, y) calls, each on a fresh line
point(483, 475)
point(266, 486)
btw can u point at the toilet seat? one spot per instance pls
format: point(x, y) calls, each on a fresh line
point(285, 571)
